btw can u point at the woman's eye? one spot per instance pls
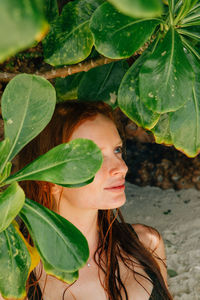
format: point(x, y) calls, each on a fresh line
point(118, 150)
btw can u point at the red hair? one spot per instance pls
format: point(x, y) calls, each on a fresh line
point(116, 239)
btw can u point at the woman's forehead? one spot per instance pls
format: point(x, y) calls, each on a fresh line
point(100, 127)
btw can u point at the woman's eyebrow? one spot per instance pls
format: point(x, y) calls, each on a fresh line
point(120, 143)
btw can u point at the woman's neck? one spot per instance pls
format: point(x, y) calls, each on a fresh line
point(85, 220)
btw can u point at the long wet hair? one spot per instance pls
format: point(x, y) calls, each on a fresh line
point(117, 240)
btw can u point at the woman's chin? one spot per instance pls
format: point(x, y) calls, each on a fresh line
point(115, 202)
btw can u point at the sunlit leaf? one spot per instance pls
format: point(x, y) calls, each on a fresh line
point(4, 150)
point(6, 172)
point(71, 163)
point(34, 255)
point(182, 127)
point(21, 23)
point(185, 122)
point(139, 8)
point(102, 83)
point(70, 39)
point(116, 35)
point(51, 10)
point(11, 202)
point(28, 103)
point(53, 235)
point(15, 264)
point(166, 77)
point(76, 185)
point(162, 131)
point(67, 88)
point(129, 99)
point(64, 276)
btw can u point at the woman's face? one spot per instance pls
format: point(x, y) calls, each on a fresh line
point(107, 189)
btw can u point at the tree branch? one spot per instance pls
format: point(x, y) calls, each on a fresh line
point(64, 71)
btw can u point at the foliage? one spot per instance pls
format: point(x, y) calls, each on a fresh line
point(21, 24)
point(28, 103)
point(159, 90)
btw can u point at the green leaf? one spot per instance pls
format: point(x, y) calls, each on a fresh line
point(11, 202)
point(171, 273)
point(77, 184)
point(185, 8)
point(193, 16)
point(21, 23)
point(139, 8)
point(129, 99)
point(166, 77)
point(116, 35)
point(54, 236)
point(28, 103)
point(162, 130)
point(6, 172)
point(70, 39)
point(15, 263)
point(194, 49)
point(4, 150)
point(64, 276)
point(102, 83)
point(67, 88)
point(185, 122)
point(192, 32)
point(51, 10)
point(71, 163)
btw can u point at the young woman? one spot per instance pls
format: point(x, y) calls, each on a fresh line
point(126, 261)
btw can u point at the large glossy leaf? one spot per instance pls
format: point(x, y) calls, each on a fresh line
point(28, 103)
point(15, 263)
point(70, 39)
point(34, 255)
point(21, 23)
point(129, 99)
point(139, 8)
point(76, 185)
point(4, 150)
point(185, 122)
point(116, 35)
point(11, 202)
point(51, 10)
point(5, 173)
point(71, 163)
point(60, 244)
point(162, 131)
point(67, 88)
point(102, 83)
point(64, 276)
point(166, 77)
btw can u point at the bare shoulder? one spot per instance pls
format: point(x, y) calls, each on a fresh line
point(152, 240)
point(149, 236)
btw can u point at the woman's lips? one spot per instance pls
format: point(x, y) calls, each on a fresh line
point(116, 188)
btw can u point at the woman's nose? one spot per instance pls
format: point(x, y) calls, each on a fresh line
point(119, 167)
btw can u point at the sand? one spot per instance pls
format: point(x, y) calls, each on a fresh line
point(176, 215)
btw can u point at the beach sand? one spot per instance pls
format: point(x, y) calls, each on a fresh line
point(176, 215)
